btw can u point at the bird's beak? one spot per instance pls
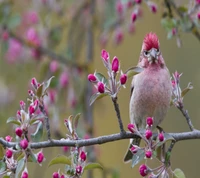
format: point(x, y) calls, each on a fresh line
point(153, 56)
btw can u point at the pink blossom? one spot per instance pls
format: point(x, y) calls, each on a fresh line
point(32, 17)
point(64, 79)
point(32, 37)
point(118, 36)
point(53, 66)
point(8, 138)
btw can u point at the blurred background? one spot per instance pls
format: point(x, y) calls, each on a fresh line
point(64, 38)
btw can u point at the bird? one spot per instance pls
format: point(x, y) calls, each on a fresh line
point(151, 89)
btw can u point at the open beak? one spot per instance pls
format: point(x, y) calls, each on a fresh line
point(153, 56)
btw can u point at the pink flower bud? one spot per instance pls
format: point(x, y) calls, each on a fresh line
point(161, 137)
point(8, 138)
point(138, 1)
point(32, 37)
point(36, 104)
point(119, 7)
point(18, 131)
point(18, 115)
point(31, 109)
point(24, 174)
point(133, 17)
point(148, 134)
point(197, 1)
point(149, 121)
point(143, 170)
point(32, 17)
point(56, 175)
point(173, 83)
point(34, 82)
point(40, 157)
point(115, 64)
point(148, 154)
point(129, 4)
point(64, 79)
point(153, 8)
point(5, 35)
point(92, 78)
point(198, 15)
point(79, 169)
point(83, 156)
point(101, 87)
point(62, 176)
point(134, 149)
point(174, 31)
point(131, 128)
point(123, 79)
point(105, 55)
point(131, 28)
point(9, 153)
point(118, 36)
point(52, 95)
point(53, 66)
point(65, 148)
point(22, 105)
point(24, 144)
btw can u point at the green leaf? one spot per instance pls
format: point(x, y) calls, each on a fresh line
point(97, 96)
point(13, 21)
point(60, 160)
point(47, 84)
point(186, 24)
point(6, 176)
point(90, 166)
point(133, 71)
point(178, 173)
point(76, 119)
point(137, 157)
point(13, 121)
point(1, 152)
point(20, 167)
point(168, 23)
point(189, 87)
point(101, 78)
point(38, 133)
point(167, 138)
point(39, 91)
point(182, 9)
point(2, 166)
point(32, 157)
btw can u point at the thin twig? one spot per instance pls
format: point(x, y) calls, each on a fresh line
point(99, 140)
point(116, 106)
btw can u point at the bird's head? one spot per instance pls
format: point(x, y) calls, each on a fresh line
point(151, 49)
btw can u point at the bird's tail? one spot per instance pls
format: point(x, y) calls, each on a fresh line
point(128, 156)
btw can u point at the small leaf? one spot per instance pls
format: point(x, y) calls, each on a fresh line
point(133, 71)
point(76, 119)
point(167, 138)
point(39, 91)
point(1, 152)
point(20, 166)
point(178, 173)
point(38, 133)
point(90, 166)
point(46, 86)
point(13, 121)
point(189, 87)
point(32, 157)
point(2, 166)
point(186, 24)
point(97, 96)
point(182, 9)
point(101, 78)
point(60, 160)
point(137, 157)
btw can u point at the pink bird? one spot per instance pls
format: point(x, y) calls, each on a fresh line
point(150, 90)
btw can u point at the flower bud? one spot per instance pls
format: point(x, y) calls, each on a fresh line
point(134, 149)
point(40, 157)
point(24, 144)
point(9, 153)
point(24, 174)
point(115, 64)
point(161, 137)
point(65, 149)
point(138, 1)
point(92, 78)
point(105, 55)
point(5, 35)
point(53, 66)
point(198, 15)
point(197, 2)
point(174, 31)
point(101, 87)
point(79, 169)
point(148, 154)
point(173, 83)
point(31, 109)
point(143, 170)
point(22, 105)
point(34, 82)
point(133, 17)
point(149, 121)
point(131, 127)
point(148, 134)
point(83, 156)
point(153, 8)
point(56, 175)
point(64, 79)
point(119, 7)
point(18, 131)
point(62, 176)
point(8, 138)
point(123, 79)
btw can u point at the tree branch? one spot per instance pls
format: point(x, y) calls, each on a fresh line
point(99, 140)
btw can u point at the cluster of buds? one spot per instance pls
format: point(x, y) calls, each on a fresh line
point(101, 83)
point(151, 145)
point(177, 92)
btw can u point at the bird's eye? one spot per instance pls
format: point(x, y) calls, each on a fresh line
point(146, 53)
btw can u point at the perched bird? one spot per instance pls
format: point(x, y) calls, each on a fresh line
point(150, 90)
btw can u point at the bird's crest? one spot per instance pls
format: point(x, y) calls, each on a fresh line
point(150, 41)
